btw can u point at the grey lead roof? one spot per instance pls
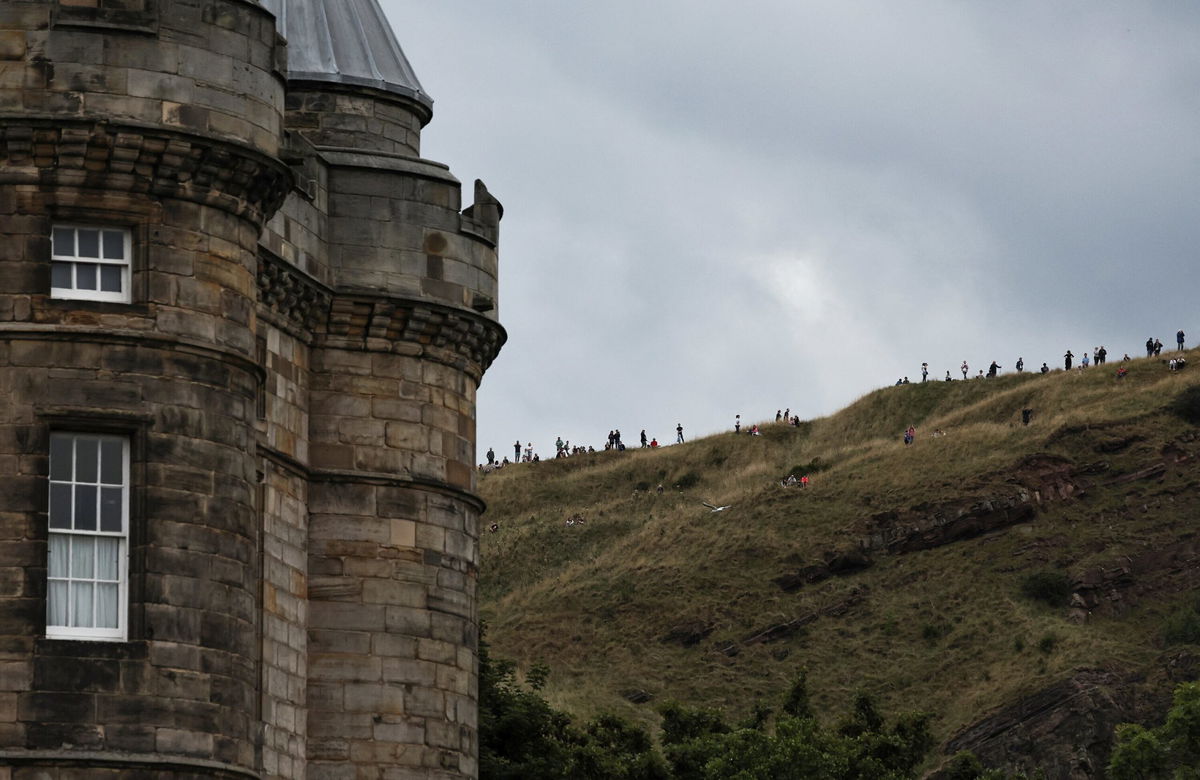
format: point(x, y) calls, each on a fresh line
point(344, 41)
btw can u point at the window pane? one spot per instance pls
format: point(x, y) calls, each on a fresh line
point(81, 600)
point(83, 557)
point(108, 551)
point(89, 243)
point(111, 500)
point(106, 606)
point(114, 245)
point(61, 275)
point(85, 507)
point(64, 242)
point(112, 462)
point(60, 506)
point(87, 453)
point(60, 545)
point(85, 276)
point(60, 456)
point(56, 604)
point(110, 278)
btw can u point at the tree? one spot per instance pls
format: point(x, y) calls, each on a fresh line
point(1170, 750)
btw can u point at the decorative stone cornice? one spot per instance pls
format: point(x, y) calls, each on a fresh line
point(441, 333)
point(290, 298)
point(51, 152)
point(294, 301)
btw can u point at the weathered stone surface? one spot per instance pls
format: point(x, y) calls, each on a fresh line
point(296, 373)
point(1064, 730)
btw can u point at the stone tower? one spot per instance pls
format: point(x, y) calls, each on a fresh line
point(242, 324)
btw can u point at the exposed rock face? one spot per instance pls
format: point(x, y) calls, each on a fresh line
point(1115, 588)
point(837, 564)
point(923, 528)
point(1064, 730)
point(783, 630)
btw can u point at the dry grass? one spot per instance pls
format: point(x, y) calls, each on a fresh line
point(944, 630)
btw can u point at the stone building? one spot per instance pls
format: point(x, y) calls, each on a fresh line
point(242, 325)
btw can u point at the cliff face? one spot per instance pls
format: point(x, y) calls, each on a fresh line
point(916, 573)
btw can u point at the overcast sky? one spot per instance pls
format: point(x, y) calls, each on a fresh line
point(724, 208)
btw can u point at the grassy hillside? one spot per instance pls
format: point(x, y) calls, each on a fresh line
point(655, 593)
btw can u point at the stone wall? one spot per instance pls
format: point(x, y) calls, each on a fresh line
point(357, 118)
point(297, 384)
point(203, 68)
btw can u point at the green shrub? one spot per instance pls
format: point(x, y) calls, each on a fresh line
point(1049, 587)
point(688, 480)
point(1047, 643)
point(812, 467)
point(1182, 627)
point(932, 632)
point(1186, 405)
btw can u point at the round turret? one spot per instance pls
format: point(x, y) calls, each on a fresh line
point(138, 144)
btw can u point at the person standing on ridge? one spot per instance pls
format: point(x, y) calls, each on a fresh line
point(992, 369)
point(491, 456)
point(948, 377)
point(965, 369)
point(924, 371)
point(1067, 360)
point(517, 452)
point(778, 415)
point(1020, 364)
point(1157, 347)
point(679, 433)
point(1149, 347)
point(1179, 339)
point(1101, 356)
point(737, 423)
point(644, 442)
point(1045, 369)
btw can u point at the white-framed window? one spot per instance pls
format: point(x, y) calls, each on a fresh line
point(88, 566)
point(90, 263)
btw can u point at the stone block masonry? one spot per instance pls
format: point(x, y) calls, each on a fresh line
point(293, 370)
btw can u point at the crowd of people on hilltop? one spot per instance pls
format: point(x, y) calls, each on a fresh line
point(563, 449)
point(1098, 357)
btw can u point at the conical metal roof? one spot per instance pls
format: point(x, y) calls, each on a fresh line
point(346, 42)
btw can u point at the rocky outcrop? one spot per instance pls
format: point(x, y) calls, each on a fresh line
point(1114, 588)
point(783, 630)
point(836, 564)
point(923, 528)
point(1064, 730)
